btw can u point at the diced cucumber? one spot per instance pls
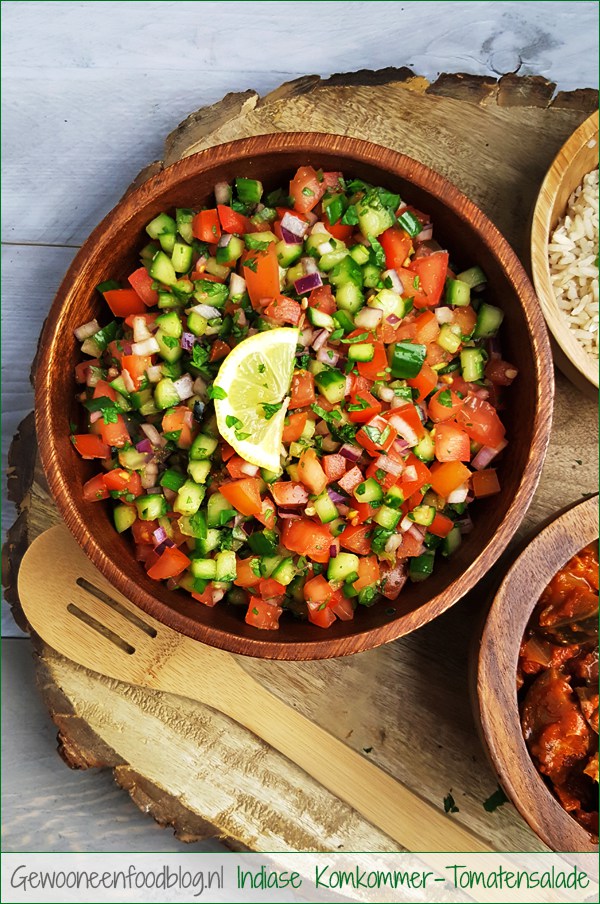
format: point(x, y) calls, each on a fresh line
point(285, 572)
point(206, 544)
point(371, 276)
point(226, 566)
point(309, 429)
point(346, 271)
point(196, 323)
point(268, 564)
point(199, 470)
point(172, 480)
point(193, 526)
point(422, 514)
point(488, 323)
point(119, 384)
point(264, 542)
point(343, 321)
point(205, 569)
point(320, 319)
point(473, 277)
point(451, 541)
point(230, 252)
point(184, 217)
point(165, 394)
point(394, 497)
point(349, 297)
point(162, 270)
point(131, 459)
point(325, 508)
point(313, 242)
point(169, 347)
point(458, 293)
point(369, 491)
point(337, 526)
point(425, 448)
point(172, 370)
point(332, 258)
point(213, 267)
point(288, 254)
point(406, 359)
point(124, 516)
point(181, 257)
point(343, 565)
point(212, 293)
point(472, 364)
point(360, 254)
point(249, 191)
point(170, 324)
point(166, 300)
point(151, 506)
point(164, 228)
point(189, 498)
point(450, 337)
point(218, 511)
point(373, 217)
point(331, 384)
point(270, 476)
point(203, 447)
point(387, 517)
point(148, 408)
point(361, 351)
point(421, 567)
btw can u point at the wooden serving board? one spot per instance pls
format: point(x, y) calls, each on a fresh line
point(405, 706)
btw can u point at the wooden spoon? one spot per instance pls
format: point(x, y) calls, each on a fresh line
point(77, 612)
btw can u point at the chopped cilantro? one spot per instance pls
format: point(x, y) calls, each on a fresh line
point(270, 410)
point(350, 217)
point(308, 192)
point(445, 398)
point(450, 804)
point(253, 243)
point(495, 800)
point(199, 355)
point(232, 421)
point(359, 338)
point(261, 368)
point(378, 252)
point(215, 392)
point(251, 264)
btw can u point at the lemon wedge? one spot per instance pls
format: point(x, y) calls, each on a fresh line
point(250, 395)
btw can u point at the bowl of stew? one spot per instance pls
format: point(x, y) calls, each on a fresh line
point(294, 395)
point(537, 681)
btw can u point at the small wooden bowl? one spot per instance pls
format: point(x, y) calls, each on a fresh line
point(495, 696)
point(577, 157)
point(111, 252)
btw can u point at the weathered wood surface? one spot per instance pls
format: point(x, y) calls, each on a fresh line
point(404, 705)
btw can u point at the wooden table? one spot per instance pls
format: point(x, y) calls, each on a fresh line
point(405, 706)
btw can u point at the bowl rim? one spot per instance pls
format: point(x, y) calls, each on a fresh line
point(541, 226)
point(496, 687)
point(464, 209)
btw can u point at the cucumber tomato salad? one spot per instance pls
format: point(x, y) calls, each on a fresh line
point(296, 399)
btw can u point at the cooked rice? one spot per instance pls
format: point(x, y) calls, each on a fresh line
point(573, 257)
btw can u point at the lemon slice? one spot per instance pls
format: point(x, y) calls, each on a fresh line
point(256, 373)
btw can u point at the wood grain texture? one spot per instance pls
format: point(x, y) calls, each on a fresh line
point(496, 695)
point(577, 157)
point(430, 712)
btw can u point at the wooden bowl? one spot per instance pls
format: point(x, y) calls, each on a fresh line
point(112, 250)
point(577, 157)
point(496, 675)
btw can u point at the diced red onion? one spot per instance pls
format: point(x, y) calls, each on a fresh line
point(294, 225)
point(206, 310)
point(389, 465)
point(482, 394)
point(128, 381)
point(95, 416)
point(288, 516)
point(237, 285)
point(422, 411)
point(224, 240)
point(335, 496)
point(329, 444)
point(308, 283)
point(289, 237)
point(393, 543)
point(140, 329)
point(348, 387)
point(147, 347)
point(404, 429)
point(250, 470)
point(188, 417)
point(217, 595)
point(242, 320)
point(144, 445)
point(153, 435)
point(325, 248)
point(310, 265)
point(319, 228)
point(426, 234)
point(351, 453)
point(306, 337)
point(199, 386)
point(322, 429)
point(393, 319)
point(86, 330)
point(410, 473)
point(395, 280)
point(368, 318)
point(465, 525)
point(184, 386)
point(397, 402)
point(342, 509)
point(94, 375)
point(485, 455)
point(311, 217)
point(170, 495)
point(458, 495)
point(159, 536)
point(151, 491)
point(386, 394)
point(320, 339)
point(188, 341)
point(222, 193)
point(154, 373)
point(333, 550)
point(166, 544)
point(112, 374)
point(444, 315)
point(327, 356)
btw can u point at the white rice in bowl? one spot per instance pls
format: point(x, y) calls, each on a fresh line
point(573, 259)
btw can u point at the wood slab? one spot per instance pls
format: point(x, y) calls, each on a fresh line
point(405, 706)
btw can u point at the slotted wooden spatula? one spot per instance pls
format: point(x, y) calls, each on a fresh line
point(77, 612)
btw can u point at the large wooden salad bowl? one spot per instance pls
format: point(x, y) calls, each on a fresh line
point(111, 252)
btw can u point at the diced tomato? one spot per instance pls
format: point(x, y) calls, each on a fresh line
point(293, 430)
point(466, 318)
point(305, 189)
point(95, 489)
point(334, 467)
point(267, 515)
point(480, 420)
point(377, 436)
point(206, 226)
point(288, 493)
point(397, 245)
point(271, 590)
point(485, 483)
point(383, 478)
point(500, 372)
point(311, 473)
point(427, 329)
point(90, 446)
point(356, 538)
point(143, 531)
point(123, 302)
point(281, 211)
point(302, 391)
point(363, 511)
point(218, 351)
point(410, 547)
point(262, 614)
point(114, 434)
point(123, 481)
point(351, 479)
point(322, 299)
point(424, 382)
point(368, 572)
point(407, 423)
point(148, 317)
point(82, 369)
point(233, 222)
point(136, 366)
point(235, 467)
point(368, 406)
point(333, 179)
point(102, 389)
point(341, 606)
point(227, 451)
point(415, 475)
point(261, 272)
point(141, 281)
point(431, 271)
point(447, 476)
point(284, 310)
point(359, 383)
point(320, 614)
point(377, 368)
point(451, 443)
point(208, 597)
point(441, 525)
point(338, 230)
point(317, 590)
point(245, 576)
point(170, 563)
point(179, 420)
point(244, 495)
point(445, 408)
point(308, 538)
point(393, 580)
